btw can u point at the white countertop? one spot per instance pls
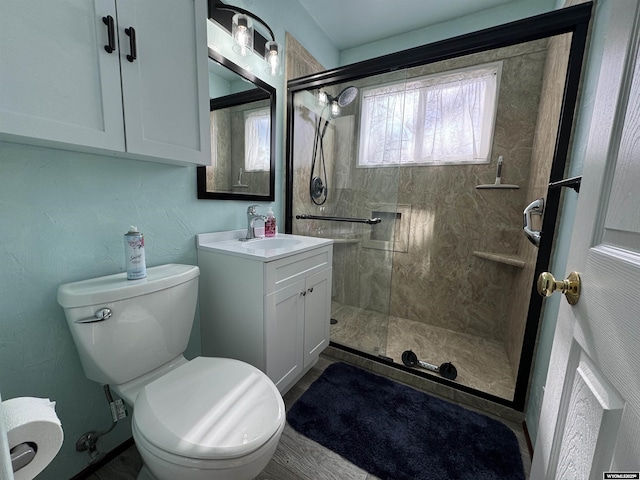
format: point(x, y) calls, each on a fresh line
point(263, 249)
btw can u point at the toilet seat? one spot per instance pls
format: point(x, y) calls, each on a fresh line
point(209, 409)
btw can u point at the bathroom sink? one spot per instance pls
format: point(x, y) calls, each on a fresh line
point(269, 243)
point(264, 249)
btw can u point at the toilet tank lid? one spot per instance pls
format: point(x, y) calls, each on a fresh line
point(112, 288)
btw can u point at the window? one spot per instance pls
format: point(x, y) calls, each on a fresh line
point(257, 140)
point(437, 119)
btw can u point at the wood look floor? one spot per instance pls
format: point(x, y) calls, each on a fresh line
point(296, 458)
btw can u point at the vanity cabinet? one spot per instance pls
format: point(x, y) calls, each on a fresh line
point(274, 315)
point(115, 77)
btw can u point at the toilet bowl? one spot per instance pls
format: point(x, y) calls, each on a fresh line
point(209, 418)
point(205, 418)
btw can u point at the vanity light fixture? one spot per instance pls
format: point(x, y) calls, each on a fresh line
point(243, 34)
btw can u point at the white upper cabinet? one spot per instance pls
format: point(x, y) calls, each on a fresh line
point(165, 89)
point(60, 86)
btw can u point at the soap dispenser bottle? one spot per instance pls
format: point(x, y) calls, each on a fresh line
point(270, 224)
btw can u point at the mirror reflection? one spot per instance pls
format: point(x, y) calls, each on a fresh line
point(242, 140)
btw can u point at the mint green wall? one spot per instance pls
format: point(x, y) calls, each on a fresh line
point(505, 13)
point(62, 218)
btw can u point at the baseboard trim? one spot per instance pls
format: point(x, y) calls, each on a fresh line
point(91, 469)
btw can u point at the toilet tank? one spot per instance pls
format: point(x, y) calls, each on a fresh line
point(150, 323)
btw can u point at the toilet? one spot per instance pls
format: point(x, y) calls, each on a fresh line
point(206, 418)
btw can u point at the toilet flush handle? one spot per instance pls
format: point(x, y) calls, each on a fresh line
point(100, 315)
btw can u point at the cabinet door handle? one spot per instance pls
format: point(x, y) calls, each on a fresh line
point(310, 290)
point(132, 43)
point(303, 293)
point(111, 33)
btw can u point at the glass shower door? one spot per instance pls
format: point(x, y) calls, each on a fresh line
point(333, 197)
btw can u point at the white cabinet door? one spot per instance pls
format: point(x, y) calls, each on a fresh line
point(57, 82)
point(60, 87)
point(284, 333)
point(317, 315)
point(165, 88)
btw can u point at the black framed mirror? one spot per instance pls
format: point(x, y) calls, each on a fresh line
point(243, 110)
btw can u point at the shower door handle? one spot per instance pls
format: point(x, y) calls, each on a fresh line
point(534, 208)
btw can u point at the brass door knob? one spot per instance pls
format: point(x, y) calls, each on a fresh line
point(547, 284)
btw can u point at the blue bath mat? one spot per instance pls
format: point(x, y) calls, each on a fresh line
point(395, 432)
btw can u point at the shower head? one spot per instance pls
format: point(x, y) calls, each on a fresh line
point(346, 96)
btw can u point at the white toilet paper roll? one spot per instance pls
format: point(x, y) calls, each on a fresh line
point(34, 420)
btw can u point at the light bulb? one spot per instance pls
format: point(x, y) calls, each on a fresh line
point(322, 98)
point(273, 58)
point(335, 108)
point(242, 32)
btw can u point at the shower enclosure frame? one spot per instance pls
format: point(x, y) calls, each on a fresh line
point(574, 20)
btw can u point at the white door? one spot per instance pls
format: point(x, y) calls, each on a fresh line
point(590, 419)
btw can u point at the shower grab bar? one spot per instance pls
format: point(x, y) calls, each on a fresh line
point(368, 221)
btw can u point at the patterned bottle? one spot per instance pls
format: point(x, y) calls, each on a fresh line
point(134, 254)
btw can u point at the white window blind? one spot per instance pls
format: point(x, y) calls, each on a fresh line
point(257, 140)
point(443, 118)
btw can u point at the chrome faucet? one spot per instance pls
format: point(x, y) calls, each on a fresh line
point(252, 216)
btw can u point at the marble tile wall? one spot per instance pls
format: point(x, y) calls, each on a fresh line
point(299, 62)
point(538, 180)
point(449, 219)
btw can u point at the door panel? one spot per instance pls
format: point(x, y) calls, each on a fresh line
point(592, 411)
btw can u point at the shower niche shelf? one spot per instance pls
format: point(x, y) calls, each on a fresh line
point(505, 258)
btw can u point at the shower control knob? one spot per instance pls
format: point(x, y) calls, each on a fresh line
point(547, 285)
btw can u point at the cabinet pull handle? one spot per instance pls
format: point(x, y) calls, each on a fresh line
point(111, 33)
point(303, 293)
point(310, 290)
point(132, 43)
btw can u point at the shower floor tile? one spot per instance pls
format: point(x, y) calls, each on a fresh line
point(482, 364)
